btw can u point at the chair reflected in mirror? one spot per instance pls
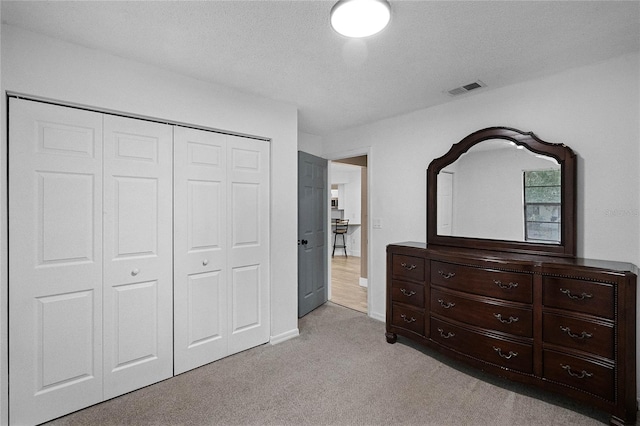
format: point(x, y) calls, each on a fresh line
point(341, 227)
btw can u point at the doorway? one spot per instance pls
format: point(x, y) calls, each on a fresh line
point(349, 192)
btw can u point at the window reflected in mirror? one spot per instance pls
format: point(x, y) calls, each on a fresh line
point(542, 205)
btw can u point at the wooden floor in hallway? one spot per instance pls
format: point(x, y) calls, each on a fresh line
point(345, 283)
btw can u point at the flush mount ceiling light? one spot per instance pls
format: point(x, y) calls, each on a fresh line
point(360, 18)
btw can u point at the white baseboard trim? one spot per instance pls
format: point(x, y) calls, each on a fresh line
point(378, 316)
point(364, 282)
point(274, 340)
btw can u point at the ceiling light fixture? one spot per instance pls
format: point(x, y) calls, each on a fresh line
point(360, 18)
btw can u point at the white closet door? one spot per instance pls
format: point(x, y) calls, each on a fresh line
point(200, 255)
point(248, 242)
point(138, 292)
point(55, 260)
point(445, 203)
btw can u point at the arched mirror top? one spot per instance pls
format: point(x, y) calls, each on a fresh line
point(506, 190)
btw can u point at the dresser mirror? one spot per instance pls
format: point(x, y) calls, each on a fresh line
point(506, 190)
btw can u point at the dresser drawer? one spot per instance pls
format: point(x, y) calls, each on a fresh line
point(486, 282)
point(404, 292)
point(580, 296)
point(502, 352)
point(483, 312)
point(589, 336)
point(407, 267)
point(589, 376)
point(410, 319)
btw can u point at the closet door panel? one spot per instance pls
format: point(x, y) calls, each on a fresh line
point(138, 290)
point(55, 262)
point(248, 233)
point(137, 235)
point(200, 256)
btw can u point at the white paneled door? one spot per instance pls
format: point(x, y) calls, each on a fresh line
point(200, 271)
point(221, 246)
point(445, 203)
point(137, 250)
point(55, 260)
point(138, 254)
point(248, 242)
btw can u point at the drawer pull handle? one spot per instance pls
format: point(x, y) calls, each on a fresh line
point(580, 375)
point(583, 335)
point(447, 275)
point(446, 305)
point(408, 267)
point(445, 336)
point(509, 356)
point(407, 293)
point(572, 296)
point(404, 317)
point(505, 286)
point(506, 321)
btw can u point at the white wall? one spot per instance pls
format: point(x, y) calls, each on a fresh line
point(593, 109)
point(311, 144)
point(47, 68)
point(4, 272)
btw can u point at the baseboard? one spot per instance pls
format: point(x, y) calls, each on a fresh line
point(364, 282)
point(378, 316)
point(274, 340)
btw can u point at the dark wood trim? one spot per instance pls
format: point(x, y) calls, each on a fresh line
point(562, 153)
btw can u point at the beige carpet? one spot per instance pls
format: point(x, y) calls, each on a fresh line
point(340, 371)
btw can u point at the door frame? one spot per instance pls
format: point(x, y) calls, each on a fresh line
point(338, 155)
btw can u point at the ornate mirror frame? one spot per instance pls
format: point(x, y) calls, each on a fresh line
point(566, 159)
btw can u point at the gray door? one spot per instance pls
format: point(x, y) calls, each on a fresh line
point(312, 232)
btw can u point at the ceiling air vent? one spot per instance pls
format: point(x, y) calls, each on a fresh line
point(466, 88)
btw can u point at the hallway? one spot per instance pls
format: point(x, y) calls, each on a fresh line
point(345, 283)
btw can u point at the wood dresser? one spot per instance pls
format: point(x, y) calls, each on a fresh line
point(562, 324)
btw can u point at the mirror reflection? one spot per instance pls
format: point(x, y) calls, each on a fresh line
point(502, 191)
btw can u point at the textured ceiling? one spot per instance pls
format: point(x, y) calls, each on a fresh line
point(286, 50)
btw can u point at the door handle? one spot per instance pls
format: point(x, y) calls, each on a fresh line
point(303, 242)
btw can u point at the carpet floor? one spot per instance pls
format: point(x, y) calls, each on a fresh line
point(339, 371)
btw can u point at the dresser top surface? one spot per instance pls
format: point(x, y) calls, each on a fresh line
point(529, 259)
